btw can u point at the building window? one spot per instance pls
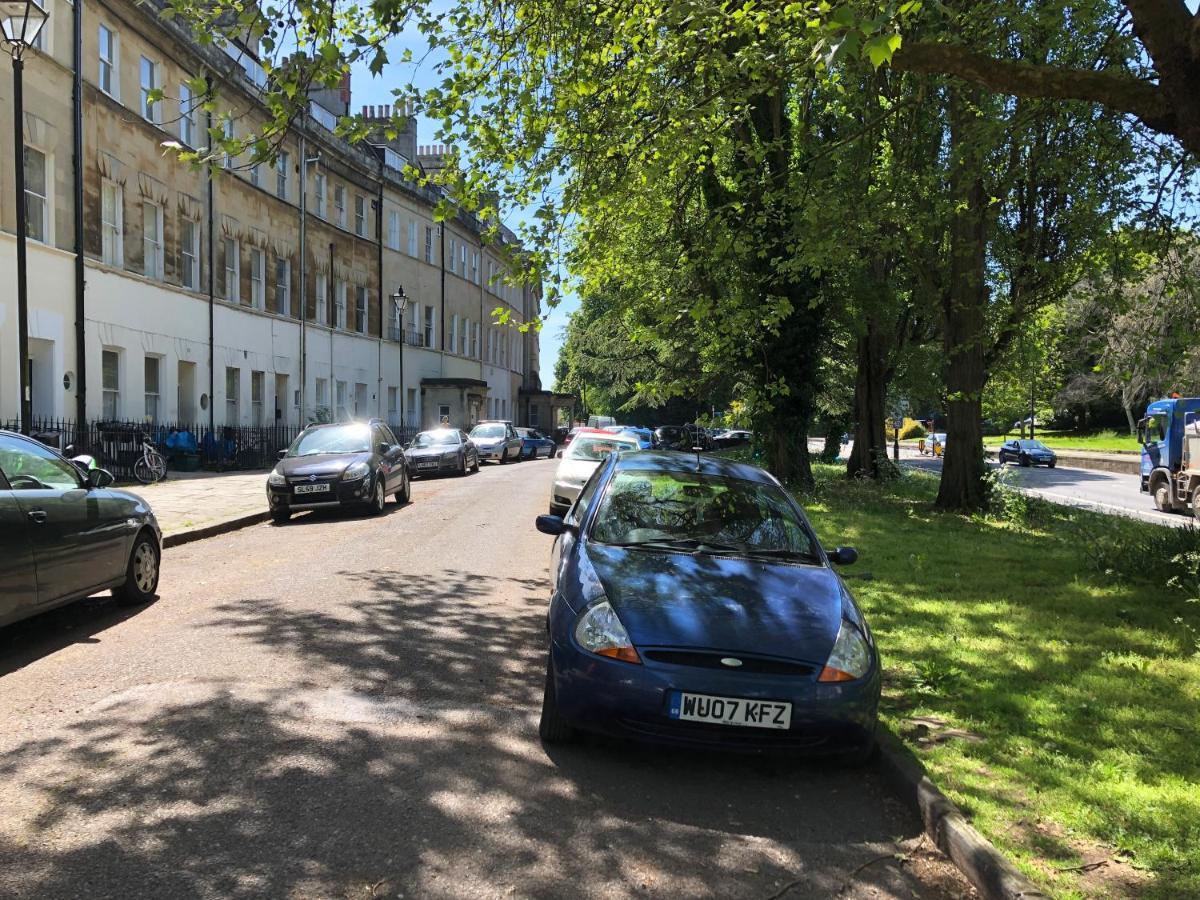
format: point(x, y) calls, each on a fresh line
point(360, 309)
point(462, 260)
point(109, 76)
point(339, 299)
point(233, 390)
point(153, 364)
point(320, 192)
point(256, 174)
point(342, 412)
point(412, 237)
point(453, 254)
point(283, 286)
point(475, 266)
point(281, 174)
point(394, 229)
point(233, 270)
point(258, 265)
point(187, 116)
point(110, 383)
point(149, 86)
point(411, 407)
point(360, 215)
point(189, 254)
point(228, 132)
point(393, 406)
point(429, 245)
point(339, 205)
point(322, 394)
point(37, 210)
point(152, 240)
point(112, 223)
point(454, 333)
point(257, 381)
point(322, 289)
point(429, 326)
point(533, 415)
point(475, 341)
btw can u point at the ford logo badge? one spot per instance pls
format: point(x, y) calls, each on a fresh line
point(730, 661)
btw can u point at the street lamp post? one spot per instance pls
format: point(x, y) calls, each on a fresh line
point(400, 300)
point(21, 22)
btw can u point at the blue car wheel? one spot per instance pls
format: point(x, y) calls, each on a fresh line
point(552, 727)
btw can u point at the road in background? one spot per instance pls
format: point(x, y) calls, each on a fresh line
point(346, 706)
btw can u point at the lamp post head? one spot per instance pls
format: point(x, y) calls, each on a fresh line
point(21, 22)
point(400, 299)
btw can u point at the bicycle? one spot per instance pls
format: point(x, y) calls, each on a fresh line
point(151, 466)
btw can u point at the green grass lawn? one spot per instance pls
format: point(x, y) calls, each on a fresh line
point(1063, 440)
point(1075, 694)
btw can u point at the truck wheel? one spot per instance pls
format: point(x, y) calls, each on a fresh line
point(1162, 497)
point(1195, 504)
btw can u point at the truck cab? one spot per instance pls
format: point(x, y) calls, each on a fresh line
point(1169, 473)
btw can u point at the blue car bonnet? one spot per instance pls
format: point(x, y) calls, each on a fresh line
point(722, 603)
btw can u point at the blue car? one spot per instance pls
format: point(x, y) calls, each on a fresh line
point(692, 604)
point(645, 437)
point(534, 444)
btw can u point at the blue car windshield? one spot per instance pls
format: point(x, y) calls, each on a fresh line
point(694, 512)
point(338, 439)
point(1032, 445)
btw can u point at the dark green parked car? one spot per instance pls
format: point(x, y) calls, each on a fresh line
point(66, 535)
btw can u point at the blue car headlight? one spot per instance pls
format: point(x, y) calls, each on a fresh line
point(599, 631)
point(850, 658)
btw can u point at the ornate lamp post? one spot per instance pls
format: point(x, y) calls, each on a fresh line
point(21, 22)
point(400, 300)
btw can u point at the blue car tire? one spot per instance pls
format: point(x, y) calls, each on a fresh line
point(552, 727)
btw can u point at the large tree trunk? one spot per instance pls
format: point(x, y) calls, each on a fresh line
point(868, 456)
point(965, 325)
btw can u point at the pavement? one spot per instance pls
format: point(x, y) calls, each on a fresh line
point(346, 706)
point(190, 501)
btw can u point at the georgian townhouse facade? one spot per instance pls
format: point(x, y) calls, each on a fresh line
point(245, 295)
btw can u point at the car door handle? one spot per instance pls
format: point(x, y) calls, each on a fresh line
point(38, 516)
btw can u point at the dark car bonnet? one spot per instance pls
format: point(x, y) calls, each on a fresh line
point(721, 603)
point(319, 464)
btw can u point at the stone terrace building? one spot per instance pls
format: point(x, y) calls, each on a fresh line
point(210, 298)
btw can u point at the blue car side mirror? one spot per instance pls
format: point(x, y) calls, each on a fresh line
point(551, 525)
point(843, 556)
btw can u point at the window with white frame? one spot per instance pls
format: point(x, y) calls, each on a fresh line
point(393, 229)
point(37, 210)
point(256, 174)
point(412, 237)
point(283, 285)
point(233, 269)
point(112, 223)
point(475, 266)
point(319, 190)
point(465, 338)
point(322, 392)
point(153, 368)
point(257, 406)
point(393, 405)
point(339, 291)
point(360, 309)
point(360, 215)
point(343, 412)
point(282, 166)
point(429, 326)
point(322, 291)
point(187, 116)
point(233, 393)
point(189, 254)
point(475, 341)
point(152, 239)
point(108, 77)
point(462, 260)
point(454, 333)
point(454, 255)
point(533, 415)
point(414, 321)
point(339, 205)
point(150, 84)
point(228, 132)
point(110, 383)
point(258, 274)
point(428, 244)
point(411, 407)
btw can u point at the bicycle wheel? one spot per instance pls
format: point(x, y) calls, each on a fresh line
point(142, 472)
point(158, 464)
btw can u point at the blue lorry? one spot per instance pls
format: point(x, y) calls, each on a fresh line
point(1170, 439)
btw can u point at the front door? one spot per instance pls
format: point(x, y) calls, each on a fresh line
point(185, 399)
point(18, 577)
point(76, 547)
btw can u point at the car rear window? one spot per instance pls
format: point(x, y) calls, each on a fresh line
point(730, 514)
point(594, 447)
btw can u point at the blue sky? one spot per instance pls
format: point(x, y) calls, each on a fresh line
point(367, 90)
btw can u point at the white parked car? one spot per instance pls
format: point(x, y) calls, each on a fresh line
point(579, 461)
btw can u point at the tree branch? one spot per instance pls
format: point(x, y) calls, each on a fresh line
point(1117, 91)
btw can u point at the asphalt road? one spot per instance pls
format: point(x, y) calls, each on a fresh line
point(346, 707)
